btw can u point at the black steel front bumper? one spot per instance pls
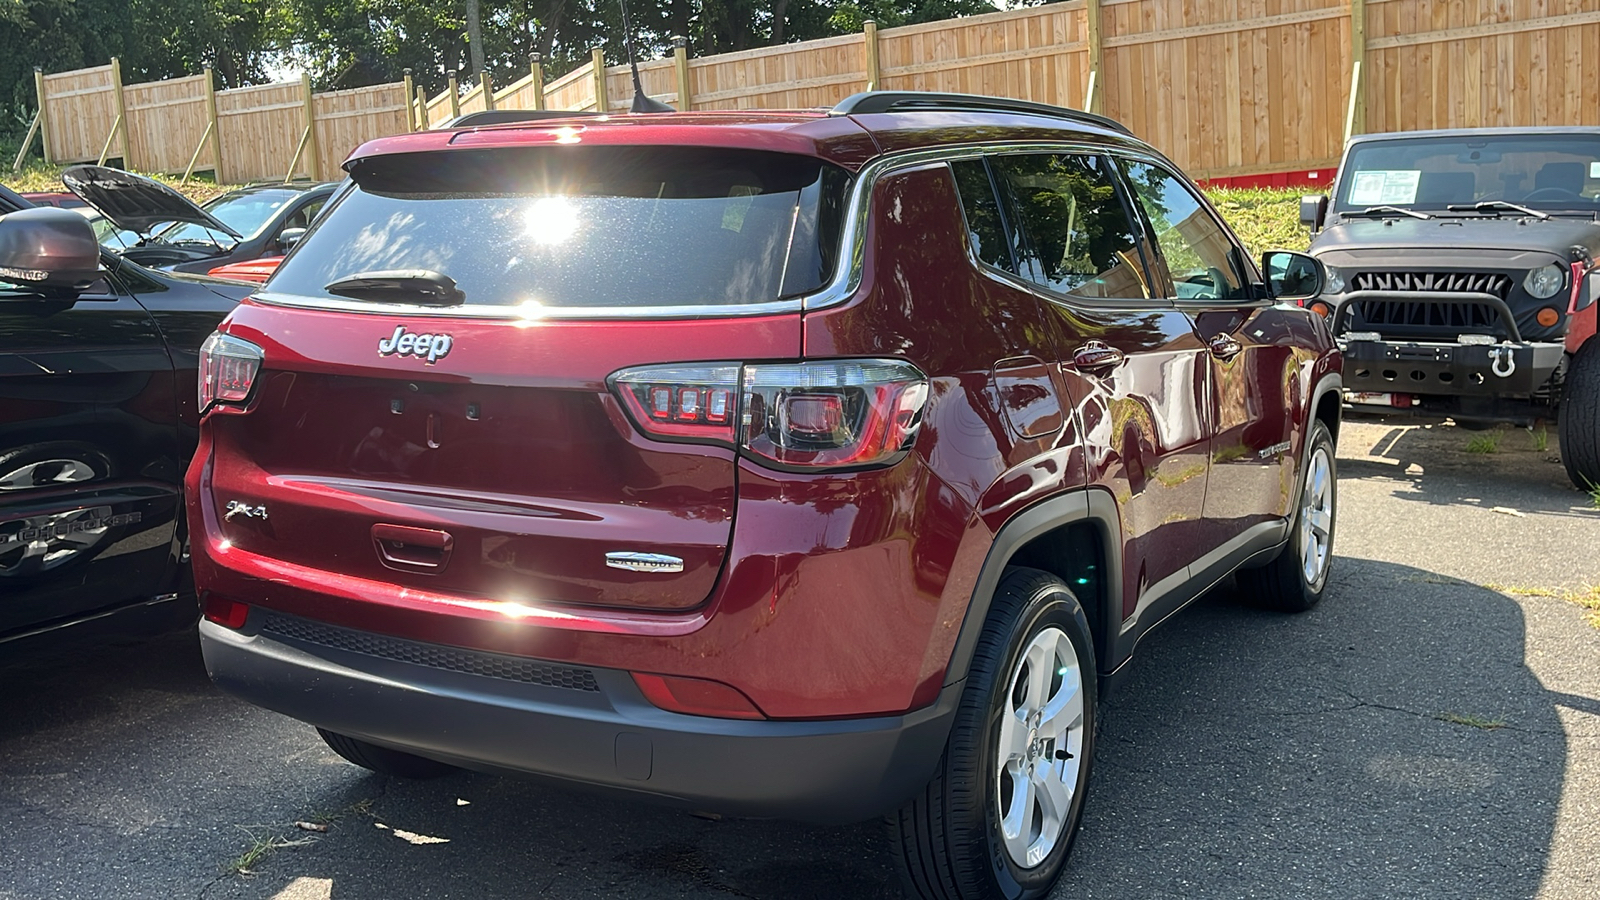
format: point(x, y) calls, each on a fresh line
point(589, 726)
point(1489, 366)
point(1449, 369)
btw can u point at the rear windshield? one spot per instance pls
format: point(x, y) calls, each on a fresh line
point(1541, 171)
point(585, 226)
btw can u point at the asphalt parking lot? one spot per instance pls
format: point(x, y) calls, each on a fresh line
point(1431, 731)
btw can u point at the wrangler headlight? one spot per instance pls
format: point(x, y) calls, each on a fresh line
point(1545, 281)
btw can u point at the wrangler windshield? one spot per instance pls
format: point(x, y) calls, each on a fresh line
point(584, 226)
point(1539, 171)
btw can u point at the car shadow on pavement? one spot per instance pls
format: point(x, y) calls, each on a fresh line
point(1391, 743)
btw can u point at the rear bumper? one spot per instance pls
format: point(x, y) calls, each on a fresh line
point(1449, 369)
point(590, 726)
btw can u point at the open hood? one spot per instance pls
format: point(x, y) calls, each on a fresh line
point(134, 202)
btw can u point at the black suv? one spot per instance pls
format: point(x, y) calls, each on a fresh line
point(98, 363)
point(1462, 274)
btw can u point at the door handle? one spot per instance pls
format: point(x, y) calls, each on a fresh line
point(1223, 346)
point(409, 549)
point(1096, 356)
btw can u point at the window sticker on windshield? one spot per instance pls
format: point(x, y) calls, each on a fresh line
point(1378, 188)
point(1594, 170)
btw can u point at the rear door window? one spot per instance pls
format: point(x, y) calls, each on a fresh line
point(1076, 237)
point(986, 229)
point(585, 227)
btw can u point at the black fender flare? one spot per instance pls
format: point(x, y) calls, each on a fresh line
point(1092, 505)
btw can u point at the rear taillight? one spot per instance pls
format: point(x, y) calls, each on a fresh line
point(826, 414)
point(228, 369)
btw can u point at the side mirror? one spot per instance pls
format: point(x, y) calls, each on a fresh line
point(1313, 210)
point(50, 249)
point(288, 237)
point(1292, 276)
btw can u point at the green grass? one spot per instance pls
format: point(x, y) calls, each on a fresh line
point(37, 176)
point(1487, 442)
point(1586, 598)
point(1474, 721)
point(260, 848)
point(1541, 439)
point(1264, 218)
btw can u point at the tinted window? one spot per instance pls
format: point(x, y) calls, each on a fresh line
point(1076, 235)
point(585, 226)
point(1544, 171)
point(986, 231)
point(1198, 252)
point(246, 212)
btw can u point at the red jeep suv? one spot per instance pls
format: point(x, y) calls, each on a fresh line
point(820, 464)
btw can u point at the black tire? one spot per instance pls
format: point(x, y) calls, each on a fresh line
point(1578, 425)
point(1282, 584)
point(383, 760)
point(947, 842)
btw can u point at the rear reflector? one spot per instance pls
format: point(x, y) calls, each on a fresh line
point(696, 697)
point(224, 611)
point(824, 414)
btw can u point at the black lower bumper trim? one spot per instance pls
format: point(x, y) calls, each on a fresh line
point(1449, 368)
point(830, 771)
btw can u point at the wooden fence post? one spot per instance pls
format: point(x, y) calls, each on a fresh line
point(454, 92)
point(44, 118)
point(869, 30)
point(410, 88)
point(602, 101)
point(1095, 91)
point(216, 126)
point(680, 59)
point(538, 80)
point(486, 87)
point(122, 113)
point(1355, 121)
point(315, 163)
point(424, 120)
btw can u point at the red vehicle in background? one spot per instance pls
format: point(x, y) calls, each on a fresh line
point(255, 271)
point(809, 464)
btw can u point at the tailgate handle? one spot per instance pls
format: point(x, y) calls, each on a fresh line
point(411, 549)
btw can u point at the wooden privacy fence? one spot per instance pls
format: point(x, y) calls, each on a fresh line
point(1224, 87)
point(183, 124)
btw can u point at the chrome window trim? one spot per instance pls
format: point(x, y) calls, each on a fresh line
point(847, 273)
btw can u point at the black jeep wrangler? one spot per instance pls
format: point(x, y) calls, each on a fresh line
point(1462, 278)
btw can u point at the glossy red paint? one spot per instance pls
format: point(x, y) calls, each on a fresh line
point(837, 594)
point(837, 139)
point(255, 271)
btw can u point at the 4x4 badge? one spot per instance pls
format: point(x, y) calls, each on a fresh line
point(430, 347)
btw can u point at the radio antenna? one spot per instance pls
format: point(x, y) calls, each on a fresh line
point(642, 102)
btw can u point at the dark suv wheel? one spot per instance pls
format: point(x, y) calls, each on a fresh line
point(998, 818)
point(1579, 425)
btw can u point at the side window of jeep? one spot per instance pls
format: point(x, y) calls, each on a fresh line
point(1075, 235)
point(1202, 260)
point(986, 229)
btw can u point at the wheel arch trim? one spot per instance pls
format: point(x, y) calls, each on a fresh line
point(1093, 506)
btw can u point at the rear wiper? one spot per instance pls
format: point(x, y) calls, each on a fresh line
point(1390, 211)
point(1497, 206)
point(421, 286)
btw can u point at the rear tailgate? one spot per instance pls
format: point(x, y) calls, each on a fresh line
point(503, 470)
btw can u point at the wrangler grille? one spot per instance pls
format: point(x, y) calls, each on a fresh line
point(434, 656)
point(1454, 318)
point(1494, 283)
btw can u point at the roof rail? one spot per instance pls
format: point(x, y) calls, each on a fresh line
point(901, 101)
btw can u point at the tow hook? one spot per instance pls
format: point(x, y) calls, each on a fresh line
point(1501, 362)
